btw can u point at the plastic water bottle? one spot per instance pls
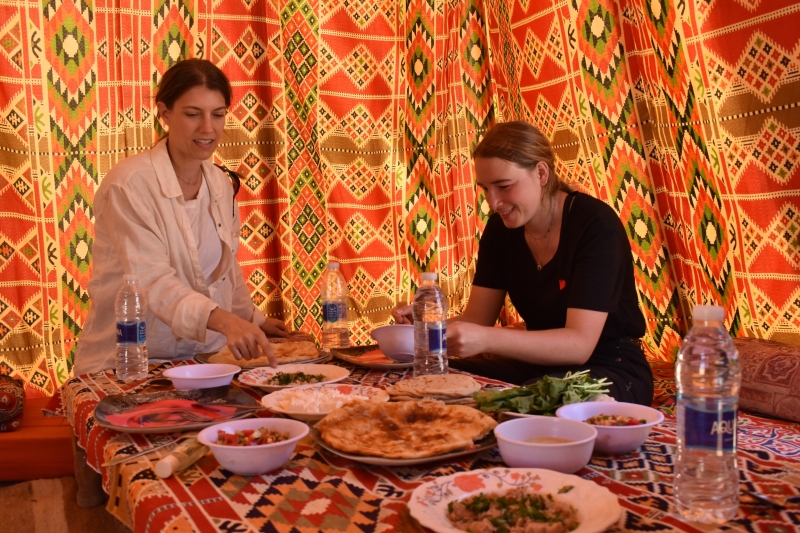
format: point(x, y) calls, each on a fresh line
point(335, 331)
point(708, 376)
point(131, 309)
point(430, 328)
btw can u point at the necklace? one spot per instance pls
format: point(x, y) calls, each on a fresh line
point(545, 236)
point(193, 182)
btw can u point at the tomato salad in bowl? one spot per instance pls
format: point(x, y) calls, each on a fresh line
point(253, 446)
point(621, 427)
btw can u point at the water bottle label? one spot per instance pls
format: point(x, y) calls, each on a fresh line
point(128, 333)
point(142, 332)
point(332, 312)
point(710, 429)
point(437, 340)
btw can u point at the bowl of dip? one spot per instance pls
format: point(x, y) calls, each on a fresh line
point(621, 427)
point(545, 442)
point(311, 403)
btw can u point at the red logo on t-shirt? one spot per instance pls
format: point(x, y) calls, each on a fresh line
point(561, 284)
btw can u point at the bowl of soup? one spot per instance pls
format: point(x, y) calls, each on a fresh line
point(621, 427)
point(547, 442)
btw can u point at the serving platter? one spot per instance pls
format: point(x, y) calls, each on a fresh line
point(485, 443)
point(261, 362)
point(597, 507)
point(118, 404)
point(368, 357)
point(258, 377)
point(272, 401)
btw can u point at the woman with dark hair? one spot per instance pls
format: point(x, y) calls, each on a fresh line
point(169, 216)
point(565, 261)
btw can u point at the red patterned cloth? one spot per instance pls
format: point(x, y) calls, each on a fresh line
point(317, 491)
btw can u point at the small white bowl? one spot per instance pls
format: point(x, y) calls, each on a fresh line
point(614, 440)
point(254, 460)
point(187, 377)
point(396, 341)
point(566, 457)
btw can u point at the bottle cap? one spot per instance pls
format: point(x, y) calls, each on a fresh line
point(429, 276)
point(333, 264)
point(166, 466)
point(708, 313)
point(130, 277)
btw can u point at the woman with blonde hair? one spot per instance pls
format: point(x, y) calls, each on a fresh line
point(564, 259)
point(169, 216)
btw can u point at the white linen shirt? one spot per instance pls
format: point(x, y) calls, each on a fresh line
point(142, 228)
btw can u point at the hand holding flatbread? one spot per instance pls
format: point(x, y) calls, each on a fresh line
point(288, 351)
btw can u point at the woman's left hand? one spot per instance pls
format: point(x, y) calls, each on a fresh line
point(273, 327)
point(465, 339)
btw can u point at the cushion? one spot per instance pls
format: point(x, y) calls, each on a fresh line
point(770, 378)
point(40, 448)
point(12, 400)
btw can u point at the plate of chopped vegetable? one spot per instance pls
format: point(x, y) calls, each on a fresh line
point(288, 376)
point(499, 499)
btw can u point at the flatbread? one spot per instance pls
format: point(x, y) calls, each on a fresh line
point(436, 386)
point(403, 430)
point(466, 400)
point(285, 352)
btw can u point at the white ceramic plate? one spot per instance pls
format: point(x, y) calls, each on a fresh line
point(258, 377)
point(272, 401)
point(597, 507)
point(485, 443)
point(368, 357)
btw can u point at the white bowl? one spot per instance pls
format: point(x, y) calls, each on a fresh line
point(614, 440)
point(396, 341)
point(566, 457)
point(318, 412)
point(254, 460)
point(201, 376)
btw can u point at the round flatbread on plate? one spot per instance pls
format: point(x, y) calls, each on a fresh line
point(597, 507)
point(260, 377)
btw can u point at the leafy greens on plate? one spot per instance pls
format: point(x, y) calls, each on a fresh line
point(544, 396)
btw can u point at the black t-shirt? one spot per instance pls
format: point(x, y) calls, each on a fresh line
point(591, 269)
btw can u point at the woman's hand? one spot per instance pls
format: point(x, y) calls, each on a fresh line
point(402, 314)
point(272, 327)
point(244, 338)
point(465, 339)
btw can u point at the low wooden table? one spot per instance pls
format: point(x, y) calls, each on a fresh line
point(317, 491)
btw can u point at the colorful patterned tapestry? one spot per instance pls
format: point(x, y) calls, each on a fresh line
point(352, 124)
point(683, 116)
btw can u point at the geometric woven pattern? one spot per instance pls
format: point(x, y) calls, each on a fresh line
point(315, 128)
point(683, 121)
point(319, 491)
point(352, 124)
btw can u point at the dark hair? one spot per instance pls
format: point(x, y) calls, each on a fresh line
point(191, 73)
point(525, 146)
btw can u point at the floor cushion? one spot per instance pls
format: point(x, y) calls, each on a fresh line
point(770, 378)
point(41, 447)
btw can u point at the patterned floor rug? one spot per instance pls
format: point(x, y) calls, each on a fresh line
point(48, 506)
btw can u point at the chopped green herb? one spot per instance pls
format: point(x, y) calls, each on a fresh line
point(544, 396)
point(286, 378)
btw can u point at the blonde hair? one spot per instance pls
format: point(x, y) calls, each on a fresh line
point(524, 145)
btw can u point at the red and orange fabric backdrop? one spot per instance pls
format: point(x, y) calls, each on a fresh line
point(352, 125)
